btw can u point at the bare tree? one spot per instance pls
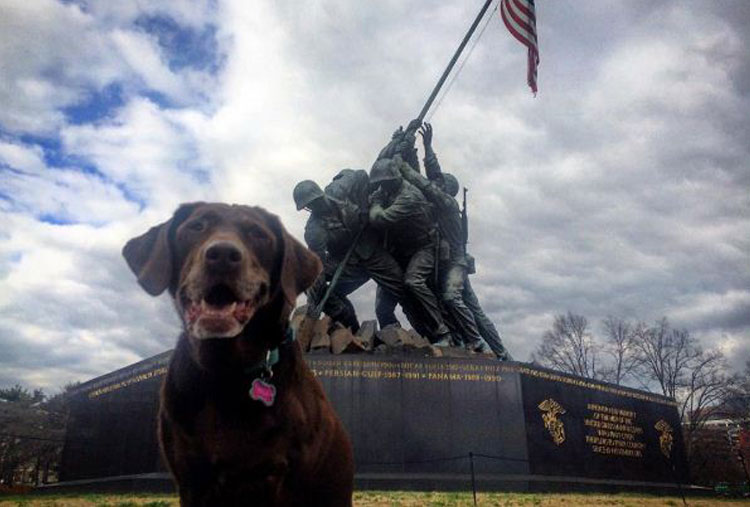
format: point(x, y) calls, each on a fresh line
point(698, 380)
point(708, 386)
point(665, 355)
point(739, 400)
point(619, 347)
point(569, 347)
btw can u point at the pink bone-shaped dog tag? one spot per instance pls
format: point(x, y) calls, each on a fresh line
point(263, 392)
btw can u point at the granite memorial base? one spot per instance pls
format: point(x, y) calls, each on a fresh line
point(418, 423)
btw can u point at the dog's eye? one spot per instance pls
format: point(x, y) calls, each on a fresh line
point(196, 226)
point(255, 232)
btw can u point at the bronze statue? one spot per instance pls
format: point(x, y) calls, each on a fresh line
point(333, 226)
point(402, 144)
point(405, 231)
point(403, 214)
point(456, 284)
point(452, 266)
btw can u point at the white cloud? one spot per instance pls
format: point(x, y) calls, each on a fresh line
point(152, 152)
point(185, 12)
point(56, 192)
point(70, 304)
point(142, 54)
point(24, 158)
point(73, 50)
point(62, 44)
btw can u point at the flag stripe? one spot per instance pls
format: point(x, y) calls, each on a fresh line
point(520, 13)
point(523, 7)
point(519, 17)
point(524, 33)
point(523, 18)
point(533, 61)
point(521, 24)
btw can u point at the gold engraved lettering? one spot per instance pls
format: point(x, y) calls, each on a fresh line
point(127, 382)
point(546, 375)
point(614, 431)
point(488, 373)
point(409, 371)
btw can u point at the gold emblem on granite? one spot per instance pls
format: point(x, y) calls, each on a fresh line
point(666, 439)
point(550, 410)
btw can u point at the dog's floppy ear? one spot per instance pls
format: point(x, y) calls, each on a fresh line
point(299, 266)
point(150, 255)
point(299, 269)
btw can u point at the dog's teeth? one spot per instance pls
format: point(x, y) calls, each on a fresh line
point(204, 305)
point(233, 307)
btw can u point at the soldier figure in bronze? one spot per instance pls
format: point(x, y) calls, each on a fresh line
point(455, 281)
point(406, 232)
point(452, 266)
point(335, 223)
point(402, 143)
point(405, 217)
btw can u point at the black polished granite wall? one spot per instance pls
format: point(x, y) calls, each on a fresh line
point(419, 418)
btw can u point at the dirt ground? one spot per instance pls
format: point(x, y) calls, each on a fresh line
point(395, 499)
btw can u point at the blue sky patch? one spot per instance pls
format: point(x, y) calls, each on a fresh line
point(54, 219)
point(5, 197)
point(82, 4)
point(55, 156)
point(159, 99)
point(184, 46)
point(97, 105)
point(131, 196)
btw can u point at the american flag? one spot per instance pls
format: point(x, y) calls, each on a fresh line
point(520, 18)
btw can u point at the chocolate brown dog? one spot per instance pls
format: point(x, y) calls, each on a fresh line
point(242, 419)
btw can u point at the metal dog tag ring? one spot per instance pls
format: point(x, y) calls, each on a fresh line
point(267, 371)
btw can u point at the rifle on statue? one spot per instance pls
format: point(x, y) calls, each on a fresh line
point(465, 222)
point(336, 275)
point(306, 328)
point(470, 268)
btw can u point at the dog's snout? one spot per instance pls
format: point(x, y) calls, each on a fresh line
point(223, 256)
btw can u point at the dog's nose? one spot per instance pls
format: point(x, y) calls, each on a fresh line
point(223, 256)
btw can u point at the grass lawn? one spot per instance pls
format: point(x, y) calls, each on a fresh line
point(393, 498)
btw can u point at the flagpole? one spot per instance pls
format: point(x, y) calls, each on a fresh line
point(448, 69)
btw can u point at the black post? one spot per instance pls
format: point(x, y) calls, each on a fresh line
point(679, 486)
point(473, 480)
point(447, 71)
point(744, 464)
point(672, 468)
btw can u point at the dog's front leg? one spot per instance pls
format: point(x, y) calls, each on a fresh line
point(191, 474)
point(195, 484)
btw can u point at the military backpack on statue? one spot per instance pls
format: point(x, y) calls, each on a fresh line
point(350, 185)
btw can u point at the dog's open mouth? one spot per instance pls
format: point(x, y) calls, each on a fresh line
point(221, 313)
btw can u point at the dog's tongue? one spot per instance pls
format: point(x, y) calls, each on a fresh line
point(218, 321)
point(205, 310)
point(243, 311)
point(217, 311)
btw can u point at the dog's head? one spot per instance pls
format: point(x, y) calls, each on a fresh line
point(225, 266)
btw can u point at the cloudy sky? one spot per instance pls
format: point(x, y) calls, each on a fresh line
point(621, 189)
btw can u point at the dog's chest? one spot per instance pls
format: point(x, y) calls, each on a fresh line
point(244, 457)
point(247, 436)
